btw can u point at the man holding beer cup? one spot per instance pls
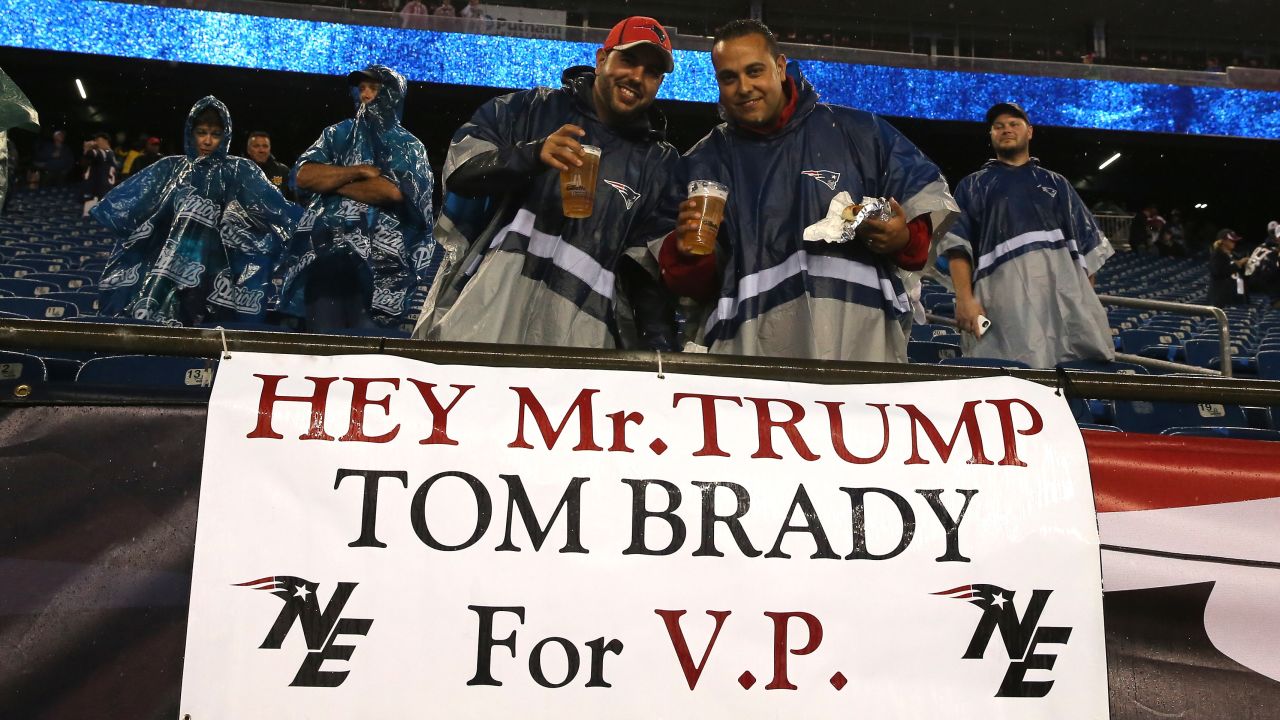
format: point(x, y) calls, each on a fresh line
point(783, 163)
point(552, 197)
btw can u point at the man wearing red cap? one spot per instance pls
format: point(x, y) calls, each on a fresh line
point(515, 269)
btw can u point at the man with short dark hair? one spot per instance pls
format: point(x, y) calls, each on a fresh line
point(361, 249)
point(778, 284)
point(1023, 255)
point(516, 270)
point(258, 147)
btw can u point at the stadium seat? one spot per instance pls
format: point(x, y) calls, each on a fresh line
point(1134, 341)
point(115, 320)
point(22, 287)
point(148, 371)
point(16, 367)
point(930, 331)
point(927, 351)
point(86, 302)
point(1268, 364)
point(1097, 426)
point(12, 270)
point(39, 308)
point(1103, 366)
point(1226, 432)
point(68, 281)
point(985, 362)
point(40, 263)
point(1155, 417)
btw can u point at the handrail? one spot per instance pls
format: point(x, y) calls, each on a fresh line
point(1123, 357)
point(53, 335)
point(1224, 327)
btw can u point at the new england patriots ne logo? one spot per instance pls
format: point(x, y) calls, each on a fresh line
point(321, 626)
point(629, 196)
point(1051, 192)
point(1021, 636)
point(826, 177)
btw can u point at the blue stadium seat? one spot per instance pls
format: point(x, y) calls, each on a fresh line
point(985, 362)
point(929, 331)
point(1134, 341)
point(951, 338)
point(1226, 432)
point(68, 281)
point(1103, 366)
point(39, 308)
point(14, 270)
point(115, 320)
point(1155, 417)
point(22, 287)
point(927, 351)
point(1098, 426)
point(86, 302)
point(148, 371)
point(250, 326)
point(42, 263)
point(16, 367)
point(1268, 364)
point(397, 333)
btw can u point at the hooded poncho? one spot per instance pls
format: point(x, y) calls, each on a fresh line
point(197, 236)
point(393, 244)
point(782, 296)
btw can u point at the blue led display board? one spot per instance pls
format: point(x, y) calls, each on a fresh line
point(216, 38)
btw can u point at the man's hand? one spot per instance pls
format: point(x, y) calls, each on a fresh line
point(967, 312)
point(561, 150)
point(688, 221)
point(886, 237)
point(367, 172)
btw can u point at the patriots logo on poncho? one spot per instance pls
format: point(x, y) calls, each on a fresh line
point(826, 177)
point(629, 196)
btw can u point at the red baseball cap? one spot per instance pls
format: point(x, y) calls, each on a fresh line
point(638, 30)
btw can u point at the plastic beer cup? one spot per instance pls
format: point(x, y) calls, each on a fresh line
point(578, 184)
point(711, 197)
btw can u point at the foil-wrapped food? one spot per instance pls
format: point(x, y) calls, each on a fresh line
point(844, 216)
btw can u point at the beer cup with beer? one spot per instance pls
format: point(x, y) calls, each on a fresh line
point(710, 197)
point(578, 184)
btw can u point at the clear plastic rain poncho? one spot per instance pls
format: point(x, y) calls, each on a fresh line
point(393, 244)
point(198, 237)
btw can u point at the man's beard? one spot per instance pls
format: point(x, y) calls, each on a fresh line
point(1012, 153)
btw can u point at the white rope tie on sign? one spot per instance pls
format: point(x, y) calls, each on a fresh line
point(660, 375)
point(226, 354)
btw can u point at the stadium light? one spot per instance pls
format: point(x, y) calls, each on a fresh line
point(80, 87)
point(1201, 206)
point(1109, 160)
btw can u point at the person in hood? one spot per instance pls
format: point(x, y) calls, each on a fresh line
point(515, 269)
point(1023, 254)
point(793, 165)
point(197, 234)
point(258, 149)
point(364, 243)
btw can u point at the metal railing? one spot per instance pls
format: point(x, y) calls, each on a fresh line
point(1224, 327)
point(56, 336)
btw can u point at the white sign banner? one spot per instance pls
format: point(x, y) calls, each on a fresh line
point(380, 537)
